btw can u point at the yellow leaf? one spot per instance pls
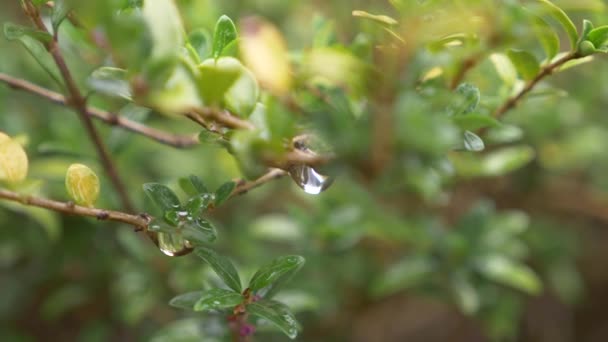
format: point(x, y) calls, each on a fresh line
point(13, 160)
point(82, 184)
point(264, 52)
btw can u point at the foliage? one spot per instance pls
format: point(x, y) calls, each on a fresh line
point(433, 141)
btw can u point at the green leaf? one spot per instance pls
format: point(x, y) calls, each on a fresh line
point(276, 313)
point(508, 272)
point(199, 41)
point(407, 273)
point(30, 39)
point(192, 185)
point(468, 99)
point(598, 36)
point(217, 76)
point(525, 63)
point(505, 69)
point(222, 266)
point(472, 142)
point(587, 28)
point(60, 12)
point(474, 122)
point(218, 299)
point(186, 300)
point(224, 34)
point(467, 297)
point(223, 192)
point(14, 32)
point(275, 274)
point(547, 36)
point(242, 96)
point(110, 81)
point(575, 62)
point(199, 231)
point(547, 7)
point(163, 20)
point(162, 196)
point(506, 160)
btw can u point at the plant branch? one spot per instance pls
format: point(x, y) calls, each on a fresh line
point(243, 186)
point(79, 103)
point(107, 117)
point(140, 222)
point(545, 71)
point(224, 118)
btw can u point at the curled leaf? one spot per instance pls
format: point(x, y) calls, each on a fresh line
point(82, 184)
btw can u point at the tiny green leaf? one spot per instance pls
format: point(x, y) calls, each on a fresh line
point(275, 274)
point(467, 101)
point(222, 266)
point(547, 36)
point(199, 231)
point(504, 67)
point(199, 40)
point(218, 299)
point(110, 81)
point(60, 12)
point(587, 28)
point(162, 196)
point(408, 272)
point(165, 25)
point(506, 160)
point(598, 36)
point(224, 34)
point(192, 185)
point(525, 63)
point(14, 31)
point(472, 142)
point(223, 192)
point(276, 313)
point(562, 18)
point(186, 300)
point(506, 271)
point(31, 40)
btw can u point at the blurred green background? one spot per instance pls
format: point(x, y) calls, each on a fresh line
point(433, 248)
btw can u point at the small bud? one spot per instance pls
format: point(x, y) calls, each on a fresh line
point(586, 48)
point(13, 160)
point(82, 184)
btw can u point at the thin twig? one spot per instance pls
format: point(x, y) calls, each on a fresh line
point(224, 118)
point(112, 119)
point(244, 187)
point(140, 222)
point(545, 71)
point(79, 103)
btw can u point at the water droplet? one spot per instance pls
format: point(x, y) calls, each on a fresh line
point(173, 244)
point(309, 179)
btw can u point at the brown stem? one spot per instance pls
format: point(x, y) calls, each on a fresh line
point(79, 103)
point(140, 222)
point(107, 117)
point(224, 118)
point(244, 187)
point(545, 71)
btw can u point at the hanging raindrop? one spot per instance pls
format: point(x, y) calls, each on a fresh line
point(309, 179)
point(171, 244)
point(305, 176)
